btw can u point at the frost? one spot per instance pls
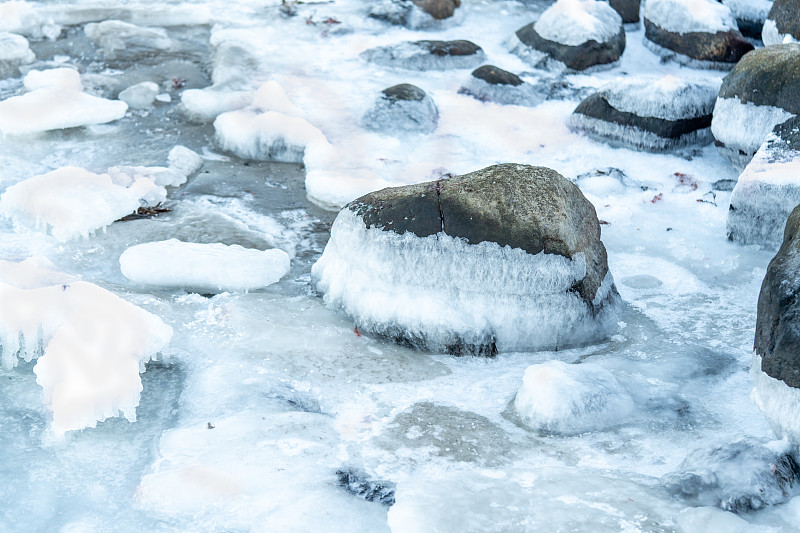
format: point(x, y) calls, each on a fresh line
point(574, 22)
point(779, 402)
point(14, 50)
point(215, 267)
point(667, 97)
point(524, 94)
point(686, 16)
point(400, 116)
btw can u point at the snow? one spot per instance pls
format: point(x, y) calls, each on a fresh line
point(116, 35)
point(686, 16)
point(477, 294)
point(216, 267)
point(184, 161)
point(755, 10)
point(21, 17)
point(400, 116)
point(667, 97)
point(94, 345)
point(569, 399)
point(140, 96)
point(524, 95)
point(14, 50)
point(414, 56)
point(574, 22)
point(204, 105)
point(777, 401)
point(771, 36)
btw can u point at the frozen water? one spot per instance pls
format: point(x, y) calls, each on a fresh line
point(17, 16)
point(116, 35)
point(140, 96)
point(524, 94)
point(14, 51)
point(667, 97)
point(755, 10)
point(778, 401)
point(206, 104)
point(574, 22)
point(772, 36)
point(417, 56)
point(685, 16)
point(214, 267)
point(400, 116)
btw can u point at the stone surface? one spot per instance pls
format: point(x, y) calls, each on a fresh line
point(627, 9)
point(768, 76)
point(438, 9)
point(721, 48)
point(496, 76)
point(579, 57)
point(492, 84)
point(785, 14)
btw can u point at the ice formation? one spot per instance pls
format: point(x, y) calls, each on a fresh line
point(116, 35)
point(772, 36)
point(411, 111)
point(21, 17)
point(55, 101)
point(779, 402)
point(214, 267)
point(427, 55)
point(140, 96)
point(204, 105)
point(14, 51)
point(449, 293)
point(754, 10)
point(685, 16)
point(574, 22)
point(504, 88)
point(93, 347)
point(559, 398)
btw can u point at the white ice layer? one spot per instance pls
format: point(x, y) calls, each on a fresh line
point(771, 36)
point(215, 266)
point(667, 97)
point(445, 291)
point(745, 126)
point(204, 105)
point(51, 106)
point(116, 35)
point(779, 402)
point(93, 347)
point(21, 17)
point(631, 136)
point(14, 49)
point(574, 22)
point(140, 96)
point(524, 94)
point(562, 398)
point(72, 202)
point(412, 56)
point(755, 10)
point(685, 16)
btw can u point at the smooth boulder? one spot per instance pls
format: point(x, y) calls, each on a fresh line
point(783, 23)
point(414, 13)
point(493, 84)
point(402, 108)
point(627, 9)
point(427, 55)
point(750, 15)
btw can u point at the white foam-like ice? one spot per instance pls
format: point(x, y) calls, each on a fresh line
point(94, 345)
point(574, 22)
point(667, 97)
point(443, 291)
point(412, 56)
point(204, 105)
point(779, 402)
point(631, 136)
point(14, 50)
point(772, 36)
point(140, 96)
point(184, 161)
point(21, 17)
point(754, 10)
point(685, 16)
point(561, 398)
point(524, 94)
point(215, 266)
point(401, 116)
point(116, 35)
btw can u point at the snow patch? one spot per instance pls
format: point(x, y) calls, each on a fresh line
point(685, 16)
point(744, 126)
point(779, 402)
point(667, 97)
point(574, 22)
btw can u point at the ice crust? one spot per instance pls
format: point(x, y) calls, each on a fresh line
point(21, 17)
point(755, 10)
point(411, 56)
point(215, 267)
point(685, 16)
point(116, 35)
point(771, 36)
point(140, 96)
point(51, 105)
point(604, 131)
point(779, 402)
point(204, 105)
point(402, 116)
point(574, 22)
point(667, 97)
point(91, 346)
point(444, 292)
point(14, 50)
point(559, 398)
point(524, 95)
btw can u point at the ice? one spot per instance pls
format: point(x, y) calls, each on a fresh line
point(403, 12)
point(417, 56)
point(524, 94)
point(141, 95)
point(50, 105)
point(14, 51)
point(401, 116)
point(686, 16)
point(214, 267)
point(21, 17)
point(473, 294)
point(771, 36)
point(72, 202)
point(574, 22)
point(32, 273)
point(184, 161)
point(93, 347)
point(116, 35)
point(755, 10)
point(560, 398)
point(777, 401)
point(204, 105)
point(667, 97)
point(715, 520)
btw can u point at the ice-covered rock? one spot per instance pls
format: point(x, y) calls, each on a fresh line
point(695, 32)
point(504, 258)
point(402, 108)
point(207, 267)
point(559, 398)
point(71, 202)
point(648, 113)
point(55, 101)
point(750, 15)
point(21, 17)
point(492, 84)
point(739, 476)
point(140, 96)
point(14, 51)
point(762, 91)
point(116, 37)
point(576, 33)
point(184, 161)
point(94, 345)
point(782, 24)
point(768, 189)
point(204, 105)
point(427, 55)
point(627, 9)
point(413, 13)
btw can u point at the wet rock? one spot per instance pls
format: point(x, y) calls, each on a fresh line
point(627, 9)
point(762, 91)
point(750, 15)
point(561, 34)
point(492, 84)
point(768, 189)
point(783, 23)
point(427, 55)
point(357, 483)
point(654, 114)
point(402, 108)
point(504, 258)
point(414, 13)
point(698, 33)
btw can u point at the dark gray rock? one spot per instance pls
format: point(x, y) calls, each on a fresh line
point(722, 49)
point(414, 13)
point(401, 109)
point(580, 57)
point(783, 20)
point(492, 84)
point(357, 483)
point(496, 76)
point(750, 15)
point(427, 55)
point(627, 9)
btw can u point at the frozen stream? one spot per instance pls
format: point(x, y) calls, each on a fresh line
point(264, 401)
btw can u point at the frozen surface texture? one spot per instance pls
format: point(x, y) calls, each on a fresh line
point(415, 14)
point(402, 108)
point(14, 51)
point(492, 84)
point(215, 267)
point(427, 55)
point(783, 23)
point(778, 402)
point(140, 96)
point(114, 36)
point(574, 22)
point(685, 16)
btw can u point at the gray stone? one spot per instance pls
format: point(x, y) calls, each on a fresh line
point(785, 14)
point(767, 76)
point(400, 109)
point(580, 57)
point(722, 49)
point(627, 9)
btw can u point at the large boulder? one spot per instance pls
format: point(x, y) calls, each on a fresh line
point(762, 91)
point(783, 23)
point(627, 9)
point(414, 13)
point(768, 189)
point(402, 108)
point(505, 258)
point(577, 34)
point(427, 55)
point(492, 84)
point(750, 15)
point(648, 113)
point(695, 32)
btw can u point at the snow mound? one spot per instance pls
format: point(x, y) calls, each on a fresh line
point(420, 55)
point(204, 105)
point(55, 101)
point(561, 398)
point(215, 267)
point(772, 36)
point(448, 293)
point(94, 345)
point(14, 50)
point(574, 22)
point(140, 96)
point(524, 94)
point(71, 202)
point(116, 35)
point(685, 16)
point(667, 97)
point(779, 402)
point(20, 17)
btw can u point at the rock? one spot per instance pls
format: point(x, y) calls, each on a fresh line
point(140, 96)
point(700, 33)
point(783, 23)
point(402, 108)
point(739, 476)
point(438, 9)
point(414, 13)
point(576, 33)
point(427, 55)
point(750, 15)
point(627, 9)
point(762, 91)
point(768, 189)
point(648, 113)
point(491, 84)
point(505, 258)
point(357, 483)
point(14, 51)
